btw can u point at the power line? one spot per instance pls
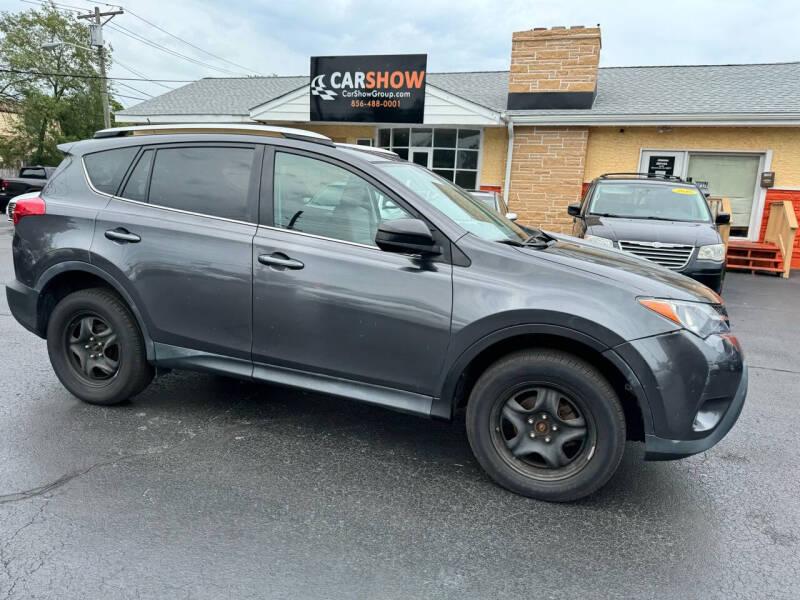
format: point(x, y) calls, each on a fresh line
point(180, 39)
point(131, 97)
point(6, 69)
point(130, 87)
point(142, 39)
point(135, 72)
point(230, 62)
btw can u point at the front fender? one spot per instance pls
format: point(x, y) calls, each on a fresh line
point(597, 338)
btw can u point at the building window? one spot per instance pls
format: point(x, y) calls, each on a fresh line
point(453, 153)
point(364, 142)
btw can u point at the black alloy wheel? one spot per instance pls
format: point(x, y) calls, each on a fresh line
point(542, 432)
point(546, 424)
point(93, 348)
point(96, 348)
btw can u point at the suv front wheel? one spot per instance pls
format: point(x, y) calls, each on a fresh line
point(546, 424)
point(96, 348)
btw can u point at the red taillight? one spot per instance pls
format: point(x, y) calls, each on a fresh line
point(26, 207)
point(3, 184)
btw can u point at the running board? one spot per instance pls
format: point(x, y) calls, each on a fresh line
point(176, 357)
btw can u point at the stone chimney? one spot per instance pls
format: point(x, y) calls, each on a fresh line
point(554, 68)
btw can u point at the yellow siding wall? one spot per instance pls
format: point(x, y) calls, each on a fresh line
point(609, 150)
point(338, 133)
point(495, 147)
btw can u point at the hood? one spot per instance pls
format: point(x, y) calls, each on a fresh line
point(652, 230)
point(642, 277)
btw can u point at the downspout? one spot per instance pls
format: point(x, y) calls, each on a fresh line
point(509, 156)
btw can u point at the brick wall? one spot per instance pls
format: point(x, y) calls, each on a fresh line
point(547, 174)
point(554, 60)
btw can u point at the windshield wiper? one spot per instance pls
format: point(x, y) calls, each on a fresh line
point(539, 240)
point(510, 242)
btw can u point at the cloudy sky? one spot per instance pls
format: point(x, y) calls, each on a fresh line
point(278, 36)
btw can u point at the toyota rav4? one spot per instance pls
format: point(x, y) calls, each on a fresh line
point(272, 254)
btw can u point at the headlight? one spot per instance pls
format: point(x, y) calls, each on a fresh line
point(701, 319)
point(599, 241)
point(715, 252)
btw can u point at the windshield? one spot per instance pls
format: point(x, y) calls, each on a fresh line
point(454, 202)
point(642, 200)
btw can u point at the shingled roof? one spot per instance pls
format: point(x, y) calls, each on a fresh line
point(752, 89)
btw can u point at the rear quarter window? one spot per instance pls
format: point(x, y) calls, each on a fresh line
point(107, 168)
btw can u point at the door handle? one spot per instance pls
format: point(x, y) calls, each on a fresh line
point(120, 234)
point(278, 259)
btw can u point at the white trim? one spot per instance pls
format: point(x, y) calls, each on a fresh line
point(295, 106)
point(156, 119)
point(699, 119)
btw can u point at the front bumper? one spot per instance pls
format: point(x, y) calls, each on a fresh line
point(658, 448)
point(24, 302)
point(694, 389)
point(706, 272)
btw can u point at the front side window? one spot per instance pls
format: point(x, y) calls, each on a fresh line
point(454, 202)
point(213, 181)
point(644, 200)
point(107, 168)
point(316, 197)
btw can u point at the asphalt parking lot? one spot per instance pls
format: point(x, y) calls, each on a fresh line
point(206, 487)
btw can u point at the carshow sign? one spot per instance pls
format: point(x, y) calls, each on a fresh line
point(374, 89)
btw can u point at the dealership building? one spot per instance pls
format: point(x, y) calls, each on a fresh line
point(554, 121)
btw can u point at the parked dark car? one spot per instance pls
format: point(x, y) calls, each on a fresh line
point(203, 251)
point(663, 219)
point(30, 179)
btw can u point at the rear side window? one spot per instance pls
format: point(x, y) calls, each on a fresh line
point(208, 180)
point(106, 169)
point(136, 187)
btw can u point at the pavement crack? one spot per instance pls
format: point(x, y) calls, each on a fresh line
point(774, 369)
point(64, 479)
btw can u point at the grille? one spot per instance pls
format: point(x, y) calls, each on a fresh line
point(672, 256)
point(10, 209)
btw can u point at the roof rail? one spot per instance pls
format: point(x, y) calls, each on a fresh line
point(624, 175)
point(370, 149)
point(244, 129)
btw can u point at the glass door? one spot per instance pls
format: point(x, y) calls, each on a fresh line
point(421, 156)
point(733, 176)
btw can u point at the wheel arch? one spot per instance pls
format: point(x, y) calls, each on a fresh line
point(464, 372)
point(70, 276)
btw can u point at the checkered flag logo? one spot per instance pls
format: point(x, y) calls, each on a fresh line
point(318, 89)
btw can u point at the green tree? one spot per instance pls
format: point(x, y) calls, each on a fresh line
point(52, 107)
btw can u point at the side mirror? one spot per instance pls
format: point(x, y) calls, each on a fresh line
point(406, 236)
point(511, 216)
point(574, 210)
point(723, 218)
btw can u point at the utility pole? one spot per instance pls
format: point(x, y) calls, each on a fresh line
point(96, 31)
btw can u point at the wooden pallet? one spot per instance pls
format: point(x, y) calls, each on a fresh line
point(754, 257)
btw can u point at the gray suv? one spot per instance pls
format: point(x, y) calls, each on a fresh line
point(271, 254)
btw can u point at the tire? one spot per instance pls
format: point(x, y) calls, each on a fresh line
point(96, 348)
point(546, 424)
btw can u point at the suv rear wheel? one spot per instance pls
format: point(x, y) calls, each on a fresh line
point(546, 424)
point(96, 348)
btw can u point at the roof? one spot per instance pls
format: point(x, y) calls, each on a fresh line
point(652, 92)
